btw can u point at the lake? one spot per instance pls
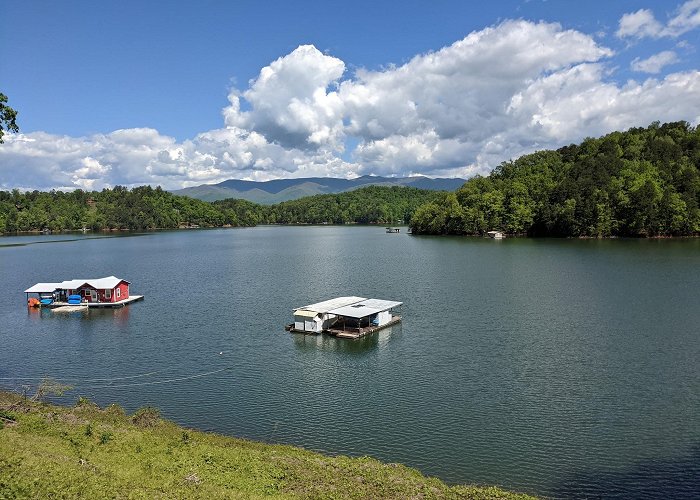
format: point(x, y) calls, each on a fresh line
point(564, 368)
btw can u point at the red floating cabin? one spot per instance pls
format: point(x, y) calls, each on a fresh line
point(109, 289)
point(102, 292)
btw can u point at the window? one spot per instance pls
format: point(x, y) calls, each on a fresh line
point(86, 292)
point(119, 292)
point(108, 294)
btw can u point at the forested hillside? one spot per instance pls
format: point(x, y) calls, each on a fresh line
point(152, 208)
point(642, 182)
point(368, 205)
point(119, 208)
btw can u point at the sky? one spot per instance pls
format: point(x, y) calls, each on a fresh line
point(180, 94)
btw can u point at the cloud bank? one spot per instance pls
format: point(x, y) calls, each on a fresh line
point(498, 93)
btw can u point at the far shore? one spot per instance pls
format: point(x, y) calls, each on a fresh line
point(109, 231)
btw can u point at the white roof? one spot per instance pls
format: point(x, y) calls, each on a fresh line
point(99, 283)
point(43, 288)
point(327, 305)
point(365, 308)
point(305, 314)
point(104, 283)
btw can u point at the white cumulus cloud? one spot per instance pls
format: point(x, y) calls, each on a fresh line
point(500, 92)
point(643, 23)
point(291, 101)
point(639, 24)
point(655, 63)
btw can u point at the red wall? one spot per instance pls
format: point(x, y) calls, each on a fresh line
point(123, 287)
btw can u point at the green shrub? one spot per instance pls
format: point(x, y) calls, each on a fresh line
point(146, 417)
point(105, 437)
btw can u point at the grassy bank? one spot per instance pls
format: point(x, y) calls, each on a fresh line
point(49, 451)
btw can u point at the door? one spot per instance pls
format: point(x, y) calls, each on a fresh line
point(93, 295)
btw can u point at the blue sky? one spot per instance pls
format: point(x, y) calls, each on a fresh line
point(176, 94)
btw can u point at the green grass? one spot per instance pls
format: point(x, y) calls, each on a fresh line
point(49, 451)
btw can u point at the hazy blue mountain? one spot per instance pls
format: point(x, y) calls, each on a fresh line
point(278, 190)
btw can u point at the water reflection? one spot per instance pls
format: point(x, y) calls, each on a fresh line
point(119, 315)
point(652, 478)
point(557, 367)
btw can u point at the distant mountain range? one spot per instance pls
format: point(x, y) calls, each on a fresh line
point(279, 190)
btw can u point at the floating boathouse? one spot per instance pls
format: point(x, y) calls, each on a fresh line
point(101, 292)
point(346, 317)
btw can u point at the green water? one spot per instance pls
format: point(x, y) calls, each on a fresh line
point(559, 367)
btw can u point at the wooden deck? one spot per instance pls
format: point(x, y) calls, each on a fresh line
point(63, 306)
point(347, 333)
point(356, 333)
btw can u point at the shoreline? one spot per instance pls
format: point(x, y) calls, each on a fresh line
point(107, 232)
point(86, 451)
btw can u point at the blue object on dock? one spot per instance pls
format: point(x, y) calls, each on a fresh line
point(74, 297)
point(46, 302)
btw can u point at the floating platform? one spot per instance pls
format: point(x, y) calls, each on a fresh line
point(345, 317)
point(61, 306)
point(348, 333)
point(100, 293)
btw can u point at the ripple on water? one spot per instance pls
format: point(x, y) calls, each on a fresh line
point(562, 368)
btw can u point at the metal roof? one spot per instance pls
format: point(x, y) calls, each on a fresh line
point(328, 305)
point(104, 283)
point(365, 308)
point(99, 283)
point(305, 314)
point(43, 288)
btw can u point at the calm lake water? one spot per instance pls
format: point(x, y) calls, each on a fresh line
point(558, 367)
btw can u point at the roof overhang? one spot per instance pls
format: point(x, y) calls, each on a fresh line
point(43, 288)
point(365, 308)
point(327, 305)
point(305, 314)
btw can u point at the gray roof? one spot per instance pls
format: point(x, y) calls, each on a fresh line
point(327, 305)
point(365, 308)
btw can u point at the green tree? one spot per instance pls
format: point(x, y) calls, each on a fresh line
point(8, 117)
point(642, 182)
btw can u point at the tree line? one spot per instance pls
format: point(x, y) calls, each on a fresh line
point(366, 205)
point(643, 182)
point(145, 207)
